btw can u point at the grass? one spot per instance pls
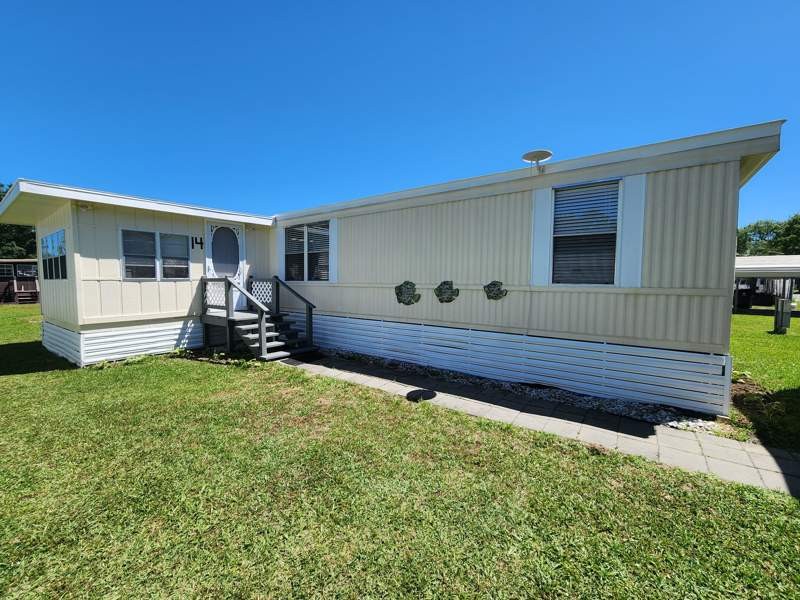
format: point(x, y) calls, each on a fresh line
point(170, 477)
point(773, 362)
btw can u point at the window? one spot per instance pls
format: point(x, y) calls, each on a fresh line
point(307, 252)
point(585, 233)
point(174, 256)
point(6, 271)
point(54, 255)
point(28, 270)
point(139, 251)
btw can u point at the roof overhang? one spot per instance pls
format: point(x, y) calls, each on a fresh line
point(27, 200)
point(782, 266)
point(752, 146)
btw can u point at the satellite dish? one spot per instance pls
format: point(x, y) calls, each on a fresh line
point(536, 157)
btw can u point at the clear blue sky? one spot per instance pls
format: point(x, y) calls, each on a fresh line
point(265, 107)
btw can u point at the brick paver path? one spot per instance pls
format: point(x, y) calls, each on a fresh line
point(748, 463)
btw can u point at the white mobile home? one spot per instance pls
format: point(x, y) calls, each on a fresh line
point(610, 274)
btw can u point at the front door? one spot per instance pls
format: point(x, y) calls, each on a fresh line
point(225, 255)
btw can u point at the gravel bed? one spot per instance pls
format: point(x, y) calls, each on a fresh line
point(651, 413)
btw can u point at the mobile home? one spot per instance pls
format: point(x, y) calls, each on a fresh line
point(609, 274)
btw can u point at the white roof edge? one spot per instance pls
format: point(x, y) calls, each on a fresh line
point(99, 197)
point(716, 138)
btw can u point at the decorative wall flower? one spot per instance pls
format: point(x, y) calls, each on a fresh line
point(406, 293)
point(445, 292)
point(494, 290)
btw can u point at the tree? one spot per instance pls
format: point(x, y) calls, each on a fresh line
point(789, 241)
point(759, 238)
point(16, 241)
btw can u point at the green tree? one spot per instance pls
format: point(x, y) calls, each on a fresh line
point(759, 238)
point(16, 241)
point(789, 241)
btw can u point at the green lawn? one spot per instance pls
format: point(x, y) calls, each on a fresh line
point(773, 361)
point(166, 476)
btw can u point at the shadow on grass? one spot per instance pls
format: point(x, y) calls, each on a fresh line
point(29, 357)
point(430, 387)
point(773, 417)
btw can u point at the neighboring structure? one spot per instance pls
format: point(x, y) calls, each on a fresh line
point(609, 275)
point(19, 280)
point(762, 279)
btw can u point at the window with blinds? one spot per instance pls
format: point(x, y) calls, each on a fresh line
point(585, 233)
point(139, 254)
point(174, 256)
point(307, 252)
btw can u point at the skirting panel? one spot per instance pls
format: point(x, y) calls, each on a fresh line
point(62, 342)
point(689, 380)
point(115, 343)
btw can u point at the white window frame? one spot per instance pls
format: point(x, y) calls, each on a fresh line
point(159, 258)
point(617, 245)
point(41, 271)
point(333, 251)
point(543, 226)
point(157, 234)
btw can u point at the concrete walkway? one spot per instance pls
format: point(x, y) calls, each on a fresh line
point(748, 463)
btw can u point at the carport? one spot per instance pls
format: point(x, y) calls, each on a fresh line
point(773, 275)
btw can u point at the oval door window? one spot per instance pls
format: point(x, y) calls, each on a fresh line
point(225, 252)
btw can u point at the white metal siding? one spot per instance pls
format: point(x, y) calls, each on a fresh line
point(691, 380)
point(115, 343)
point(62, 342)
point(122, 342)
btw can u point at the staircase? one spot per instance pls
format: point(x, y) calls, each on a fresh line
point(266, 332)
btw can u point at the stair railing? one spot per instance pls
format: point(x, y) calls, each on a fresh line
point(263, 311)
point(276, 301)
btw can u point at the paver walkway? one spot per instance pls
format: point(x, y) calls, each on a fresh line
point(748, 463)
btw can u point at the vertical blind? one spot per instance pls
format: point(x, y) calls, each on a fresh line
point(307, 250)
point(585, 233)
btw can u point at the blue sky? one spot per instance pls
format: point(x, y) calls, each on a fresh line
point(266, 107)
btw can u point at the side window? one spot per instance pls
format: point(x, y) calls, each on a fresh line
point(585, 233)
point(318, 250)
point(307, 252)
point(139, 254)
point(27, 270)
point(295, 258)
point(174, 256)
point(54, 255)
point(6, 271)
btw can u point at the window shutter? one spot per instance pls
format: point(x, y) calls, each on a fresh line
point(631, 243)
point(585, 233)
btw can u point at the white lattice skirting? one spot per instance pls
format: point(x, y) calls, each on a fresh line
point(691, 380)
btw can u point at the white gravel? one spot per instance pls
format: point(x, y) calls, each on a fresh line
point(652, 413)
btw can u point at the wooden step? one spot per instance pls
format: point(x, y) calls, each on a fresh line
point(287, 353)
point(252, 326)
point(253, 337)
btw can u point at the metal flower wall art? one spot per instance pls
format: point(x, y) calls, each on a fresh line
point(494, 290)
point(445, 292)
point(406, 293)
